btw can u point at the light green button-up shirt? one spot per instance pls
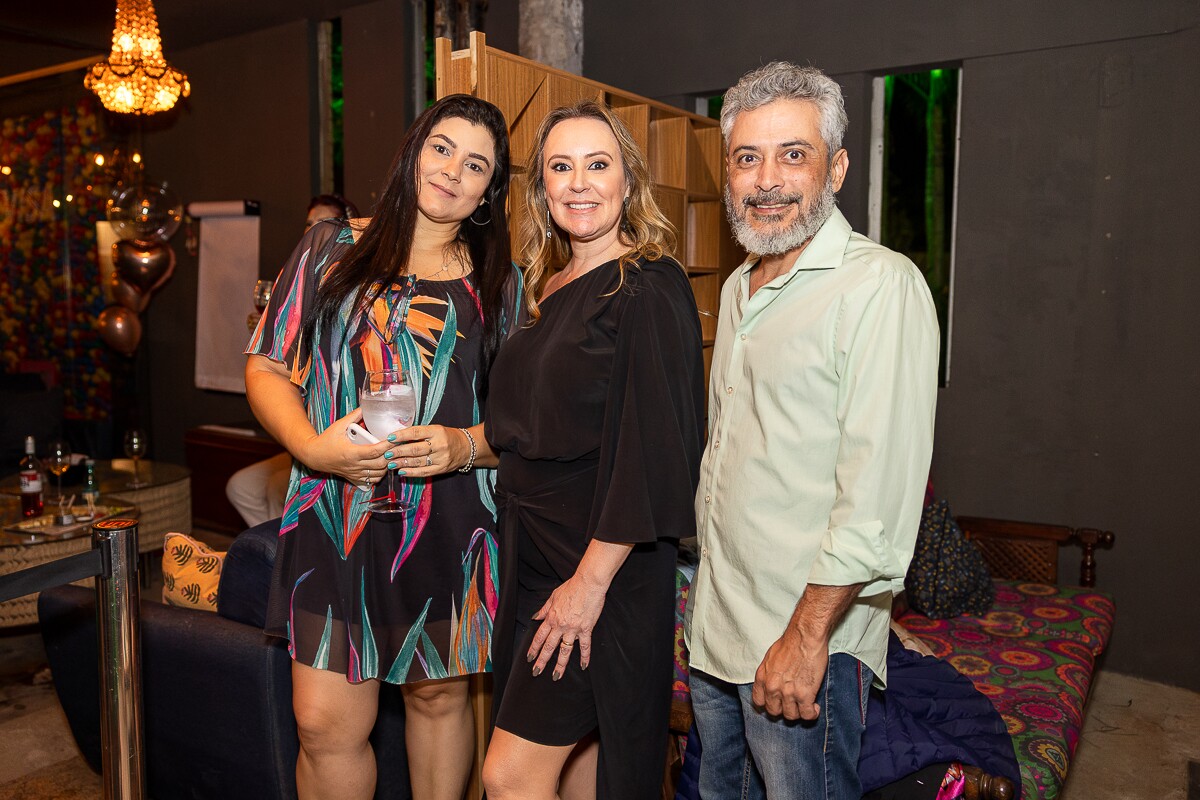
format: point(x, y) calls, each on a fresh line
point(820, 432)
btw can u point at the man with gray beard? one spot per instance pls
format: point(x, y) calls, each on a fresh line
point(820, 415)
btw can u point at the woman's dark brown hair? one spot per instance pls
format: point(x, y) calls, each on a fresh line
point(380, 256)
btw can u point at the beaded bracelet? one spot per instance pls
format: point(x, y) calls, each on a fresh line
point(470, 461)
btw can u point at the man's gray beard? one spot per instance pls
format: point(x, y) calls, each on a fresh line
point(787, 239)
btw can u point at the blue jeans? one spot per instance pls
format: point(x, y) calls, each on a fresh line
point(747, 755)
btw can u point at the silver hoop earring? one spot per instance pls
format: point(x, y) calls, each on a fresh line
point(487, 221)
point(549, 232)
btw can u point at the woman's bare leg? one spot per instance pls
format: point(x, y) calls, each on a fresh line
point(334, 719)
point(439, 730)
point(518, 769)
point(579, 774)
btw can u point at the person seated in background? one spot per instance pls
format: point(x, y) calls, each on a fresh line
point(257, 491)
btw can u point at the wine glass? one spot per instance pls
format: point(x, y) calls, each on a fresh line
point(135, 448)
point(262, 295)
point(388, 404)
point(58, 461)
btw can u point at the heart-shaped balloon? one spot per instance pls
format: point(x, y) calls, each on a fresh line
point(120, 329)
point(143, 264)
point(128, 295)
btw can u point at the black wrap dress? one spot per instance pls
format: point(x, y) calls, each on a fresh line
point(596, 411)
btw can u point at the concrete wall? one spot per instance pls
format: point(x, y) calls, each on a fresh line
point(1074, 360)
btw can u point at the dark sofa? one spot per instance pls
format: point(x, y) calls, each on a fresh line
point(217, 691)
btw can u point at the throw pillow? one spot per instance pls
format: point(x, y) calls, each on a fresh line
point(191, 572)
point(948, 576)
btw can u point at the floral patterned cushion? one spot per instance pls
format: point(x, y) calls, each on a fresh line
point(1033, 654)
point(680, 689)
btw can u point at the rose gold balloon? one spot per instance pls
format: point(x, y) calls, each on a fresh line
point(143, 264)
point(166, 276)
point(120, 329)
point(128, 295)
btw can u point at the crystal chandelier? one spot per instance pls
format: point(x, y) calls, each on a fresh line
point(136, 78)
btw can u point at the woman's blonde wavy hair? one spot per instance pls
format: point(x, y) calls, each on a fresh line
point(644, 228)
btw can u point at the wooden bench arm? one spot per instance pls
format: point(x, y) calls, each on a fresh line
point(1008, 541)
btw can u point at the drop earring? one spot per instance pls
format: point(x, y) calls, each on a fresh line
point(549, 232)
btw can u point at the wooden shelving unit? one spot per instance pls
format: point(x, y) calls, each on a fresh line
point(684, 152)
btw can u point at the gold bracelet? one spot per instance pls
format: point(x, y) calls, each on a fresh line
point(470, 461)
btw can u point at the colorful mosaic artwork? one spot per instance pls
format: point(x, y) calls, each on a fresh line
point(53, 291)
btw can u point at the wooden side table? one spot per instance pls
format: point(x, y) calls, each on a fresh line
point(214, 453)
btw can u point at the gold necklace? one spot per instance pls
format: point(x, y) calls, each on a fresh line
point(450, 253)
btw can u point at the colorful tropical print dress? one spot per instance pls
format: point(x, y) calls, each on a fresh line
point(401, 600)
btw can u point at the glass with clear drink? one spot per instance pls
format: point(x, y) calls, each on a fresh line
point(388, 403)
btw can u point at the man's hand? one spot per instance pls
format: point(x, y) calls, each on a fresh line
point(790, 675)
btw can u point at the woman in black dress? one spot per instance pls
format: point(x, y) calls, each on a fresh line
point(421, 286)
point(596, 412)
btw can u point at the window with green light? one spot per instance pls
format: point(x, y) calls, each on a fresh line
point(920, 153)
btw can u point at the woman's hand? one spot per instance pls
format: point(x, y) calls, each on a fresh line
point(571, 613)
point(330, 451)
point(426, 450)
point(569, 616)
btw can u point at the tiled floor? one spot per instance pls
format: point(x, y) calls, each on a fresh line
point(1138, 740)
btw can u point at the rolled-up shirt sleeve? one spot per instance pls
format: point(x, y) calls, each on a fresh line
point(886, 348)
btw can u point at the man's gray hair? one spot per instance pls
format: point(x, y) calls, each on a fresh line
point(781, 80)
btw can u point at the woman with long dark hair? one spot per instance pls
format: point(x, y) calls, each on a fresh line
point(427, 286)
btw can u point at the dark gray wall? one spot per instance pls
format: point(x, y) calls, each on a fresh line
point(1074, 360)
point(378, 77)
point(244, 133)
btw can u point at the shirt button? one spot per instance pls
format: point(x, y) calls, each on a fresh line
point(717, 444)
point(704, 552)
point(743, 337)
point(708, 498)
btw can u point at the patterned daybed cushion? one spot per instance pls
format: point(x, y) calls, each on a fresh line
point(1033, 654)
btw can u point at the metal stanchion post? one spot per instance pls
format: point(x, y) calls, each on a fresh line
point(117, 607)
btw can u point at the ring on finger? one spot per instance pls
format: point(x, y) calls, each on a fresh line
point(430, 443)
point(429, 461)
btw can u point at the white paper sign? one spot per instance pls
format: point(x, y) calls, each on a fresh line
point(228, 270)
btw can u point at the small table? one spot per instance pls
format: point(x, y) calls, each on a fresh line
point(165, 501)
point(18, 552)
point(164, 504)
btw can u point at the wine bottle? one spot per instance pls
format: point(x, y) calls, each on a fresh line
point(31, 481)
point(91, 488)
